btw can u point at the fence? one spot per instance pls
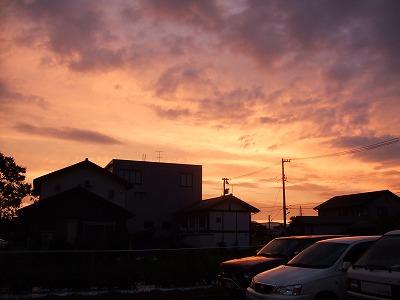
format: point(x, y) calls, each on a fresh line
point(81, 270)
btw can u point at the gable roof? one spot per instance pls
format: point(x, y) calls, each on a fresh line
point(37, 182)
point(210, 204)
point(75, 196)
point(328, 221)
point(359, 199)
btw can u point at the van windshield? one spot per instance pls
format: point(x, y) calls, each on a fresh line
point(284, 247)
point(319, 256)
point(383, 255)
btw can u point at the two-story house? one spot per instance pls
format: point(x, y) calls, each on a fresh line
point(80, 206)
point(220, 221)
point(159, 190)
point(362, 213)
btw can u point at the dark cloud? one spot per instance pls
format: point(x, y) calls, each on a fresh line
point(344, 48)
point(179, 77)
point(234, 106)
point(171, 113)
point(371, 151)
point(67, 133)
point(203, 14)
point(237, 105)
point(343, 38)
point(77, 32)
point(8, 96)
point(268, 120)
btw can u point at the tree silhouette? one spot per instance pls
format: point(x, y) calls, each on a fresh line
point(13, 187)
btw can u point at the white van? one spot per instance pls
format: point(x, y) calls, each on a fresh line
point(376, 274)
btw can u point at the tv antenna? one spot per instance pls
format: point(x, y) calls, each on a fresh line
point(159, 155)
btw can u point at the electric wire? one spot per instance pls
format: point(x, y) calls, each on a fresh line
point(346, 152)
point(255, 172)
point(354, 150)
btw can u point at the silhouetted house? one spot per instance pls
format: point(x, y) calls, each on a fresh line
point(87, 175)
point(159, 189)
point(220, 221)
point(75, 219)
point(64, 197)
point(86, 206)
point(363, 213)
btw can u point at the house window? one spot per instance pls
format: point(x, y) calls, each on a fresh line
point(186, 179)
point(98, 231)
point(218, 220)
point(133, 176)
point(140, 197)
point(136, 176)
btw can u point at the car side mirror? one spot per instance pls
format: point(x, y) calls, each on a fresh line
point(346, 265)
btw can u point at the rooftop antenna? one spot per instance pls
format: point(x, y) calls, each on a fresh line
point(143, 157)
point(159, 155)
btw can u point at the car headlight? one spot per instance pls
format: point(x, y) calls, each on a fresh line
point(292, 290)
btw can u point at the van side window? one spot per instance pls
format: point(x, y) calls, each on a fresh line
point(357, 251)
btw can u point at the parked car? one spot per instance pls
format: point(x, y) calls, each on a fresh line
point(236, 274)
point(317, 273)
point(376, 274)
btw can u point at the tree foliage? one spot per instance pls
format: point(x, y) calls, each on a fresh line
point(12, 186)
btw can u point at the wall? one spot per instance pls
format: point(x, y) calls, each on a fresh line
point(159, 194)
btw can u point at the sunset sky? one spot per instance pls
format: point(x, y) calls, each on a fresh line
point(234, 86)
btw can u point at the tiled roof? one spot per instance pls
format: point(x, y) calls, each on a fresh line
point(37, 182)
point(210, 204)
point(78, 193)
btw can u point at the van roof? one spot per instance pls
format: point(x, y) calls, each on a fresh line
point(316, 236)
point(351, 239)
point(393, 232)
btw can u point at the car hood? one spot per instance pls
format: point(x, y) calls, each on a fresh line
point(286, 275)
point(252, 261)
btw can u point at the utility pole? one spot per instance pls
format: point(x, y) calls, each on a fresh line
point(269, 223)
point(283, 193)
point(225, 190)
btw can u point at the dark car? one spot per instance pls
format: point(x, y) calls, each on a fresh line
point(236, 274)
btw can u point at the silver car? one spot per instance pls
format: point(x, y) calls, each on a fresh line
point(317, 273)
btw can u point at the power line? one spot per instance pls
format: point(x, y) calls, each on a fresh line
point(355, 150)
point(346, 152)
point(256, 172)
